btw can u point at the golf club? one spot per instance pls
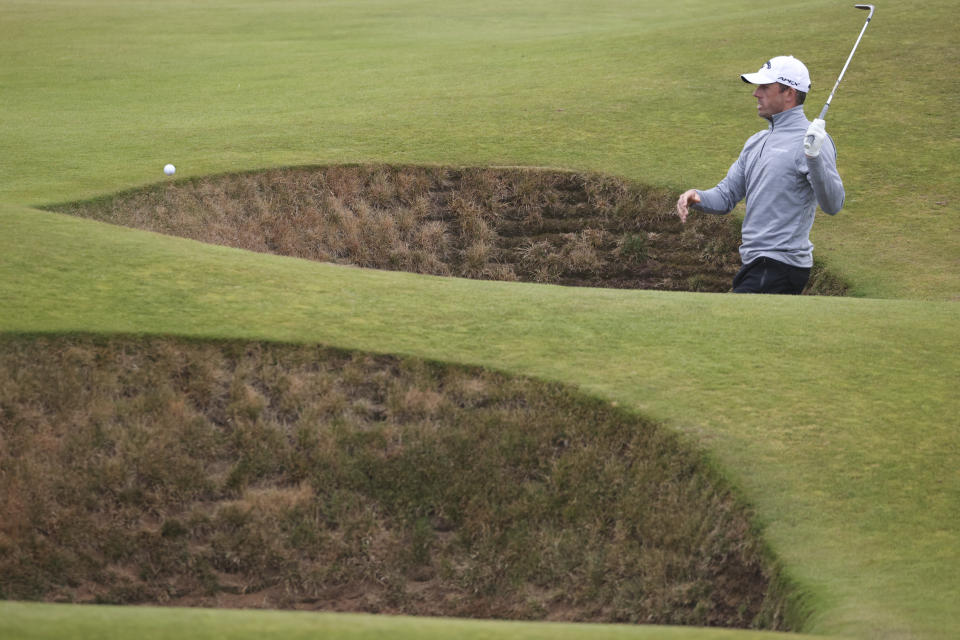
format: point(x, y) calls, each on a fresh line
point(826, 106)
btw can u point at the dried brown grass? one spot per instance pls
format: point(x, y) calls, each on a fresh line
point(507, 224)
point(246, 474)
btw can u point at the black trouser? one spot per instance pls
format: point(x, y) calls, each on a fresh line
point(766, 275)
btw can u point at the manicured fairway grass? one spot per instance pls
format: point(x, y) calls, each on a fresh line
point(852, 465)
point(100, 95)
point(29, 622)
point(849, 450)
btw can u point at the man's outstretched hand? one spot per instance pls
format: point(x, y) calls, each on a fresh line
point(687, 198)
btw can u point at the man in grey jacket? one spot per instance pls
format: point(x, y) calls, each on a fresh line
point(782, 182)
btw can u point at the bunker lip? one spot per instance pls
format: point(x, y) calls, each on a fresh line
point(243, 474)
point(514, 224)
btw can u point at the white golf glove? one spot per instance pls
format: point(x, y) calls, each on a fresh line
point(813, 140)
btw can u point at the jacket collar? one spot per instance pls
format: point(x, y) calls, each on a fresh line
point(785, 117)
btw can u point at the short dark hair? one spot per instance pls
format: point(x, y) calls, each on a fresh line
point(801, 95)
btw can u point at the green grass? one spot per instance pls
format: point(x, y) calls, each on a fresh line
point(851, 463)
point(101, 94)
point(28, 622)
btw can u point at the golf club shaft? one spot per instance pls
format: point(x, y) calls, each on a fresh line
point(823, 113)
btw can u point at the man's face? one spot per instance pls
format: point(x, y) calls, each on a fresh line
point(771, 100)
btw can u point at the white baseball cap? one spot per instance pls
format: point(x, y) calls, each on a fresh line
point(786, 70)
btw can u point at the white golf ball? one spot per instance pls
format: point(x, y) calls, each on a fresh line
point(169, 169)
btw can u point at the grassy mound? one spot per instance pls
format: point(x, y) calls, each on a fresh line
point(250, 474)
point(500, 224)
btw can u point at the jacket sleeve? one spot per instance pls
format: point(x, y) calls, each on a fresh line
point(825, 180)
point(725, 196)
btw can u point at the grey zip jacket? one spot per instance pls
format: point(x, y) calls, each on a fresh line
point(783, 188)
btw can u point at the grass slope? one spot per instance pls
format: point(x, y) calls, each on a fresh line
point(99, 95)
point(852, 466)
point(528, 225)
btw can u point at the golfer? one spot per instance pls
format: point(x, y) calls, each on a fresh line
point(782, 184)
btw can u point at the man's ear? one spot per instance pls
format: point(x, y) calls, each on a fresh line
point(791, 96)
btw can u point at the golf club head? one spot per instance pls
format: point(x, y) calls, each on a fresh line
point(865, 7)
